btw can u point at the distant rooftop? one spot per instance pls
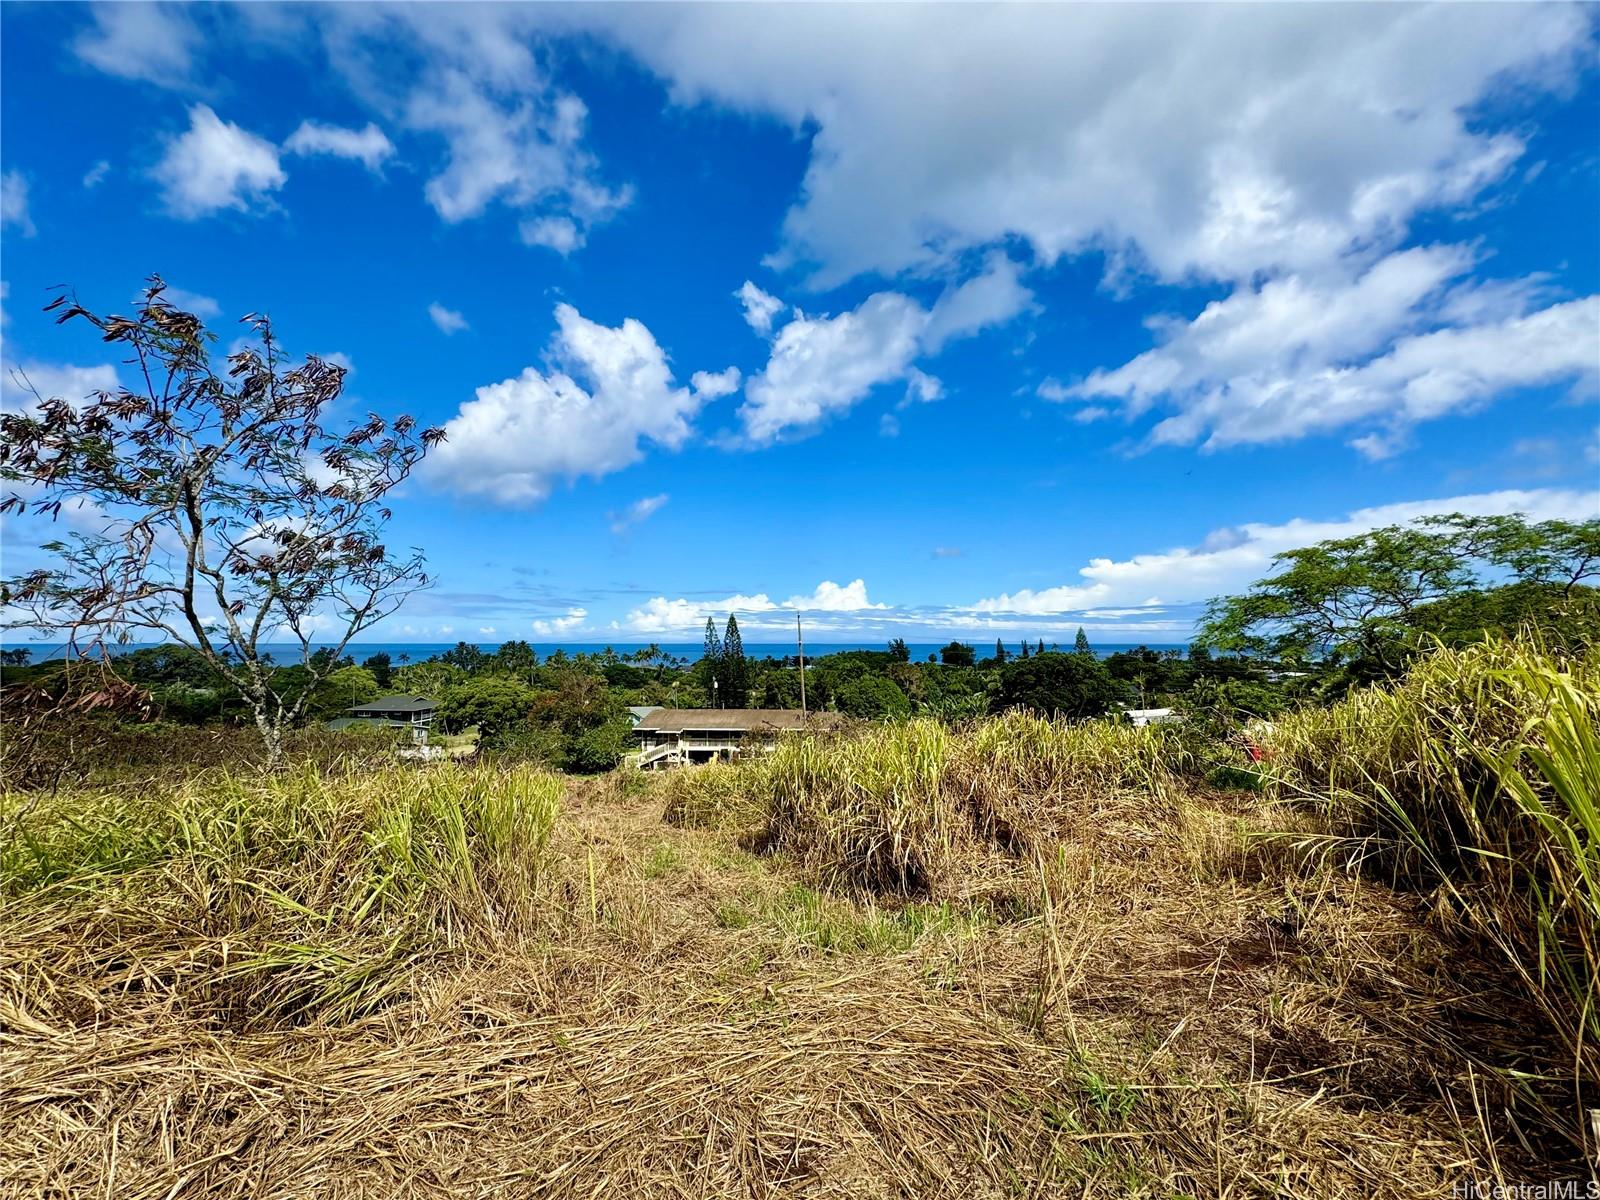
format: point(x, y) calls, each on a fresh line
point(735, 720)
point(384, 705)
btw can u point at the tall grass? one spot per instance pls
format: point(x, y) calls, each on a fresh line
point(898, 807)
point(1478, 777)
point(268, 896)
point(717, 795)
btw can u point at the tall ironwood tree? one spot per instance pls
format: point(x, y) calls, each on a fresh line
point(735, 671)
point(213, 508)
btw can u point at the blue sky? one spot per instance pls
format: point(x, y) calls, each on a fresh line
point(922, 321)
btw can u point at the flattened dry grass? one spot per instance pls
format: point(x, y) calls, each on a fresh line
point(474, 990)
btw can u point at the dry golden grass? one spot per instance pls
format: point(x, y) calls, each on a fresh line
point(459, 992)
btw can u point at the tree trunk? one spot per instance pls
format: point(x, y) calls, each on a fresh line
point(271, 739)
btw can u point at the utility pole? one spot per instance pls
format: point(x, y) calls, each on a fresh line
point(800, 639)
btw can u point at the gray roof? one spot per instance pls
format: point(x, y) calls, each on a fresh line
point(641, 711)
point(395, 704)
point(737, 720)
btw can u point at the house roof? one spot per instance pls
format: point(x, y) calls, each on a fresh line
point(641, 711)
point(395, 704)
point(736, 720)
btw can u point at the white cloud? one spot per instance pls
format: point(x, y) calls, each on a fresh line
point(713, 385)
point(14, 203)
point(447, 319)
point(821, 366)
point(640, 510)
point(557, 626)
point(526, 154)
point(369, 146)
point(947, 551)
point(1298, 356)
point(990, 298)
point(53, 381)
point(216, 165)
point(1217, 141)
point(759, 307)
point(152, 42)
point(96, 174)
point(522, 435)
point(560, 234)
point(201, 306)
point(486, 630)
point(660, 615)
point(1231, 559)
point(831, 597)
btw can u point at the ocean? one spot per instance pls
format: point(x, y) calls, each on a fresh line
point(402, 652)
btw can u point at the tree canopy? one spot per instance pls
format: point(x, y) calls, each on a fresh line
point(229, 515)
point(1363, 599)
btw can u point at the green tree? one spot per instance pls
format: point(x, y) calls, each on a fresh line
point(871, 696)
point(1360, 601)
point(466, 657)
point(711, 662)
point(957, 654)
point(229, 514)
point(1080, 644)
point(898, 650)
point(343, 689)
point(735, 671)
point(517, 659)
point(1024, 648)
point(381, 667)
point(1000, 654)
point(1068, 685)
point(1040, 649)
point(494, 703)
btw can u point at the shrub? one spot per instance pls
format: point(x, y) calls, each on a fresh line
point(717, 795)
point(1478, 776)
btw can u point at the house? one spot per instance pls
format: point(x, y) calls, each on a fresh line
point(1151, 716)
point(670, 737)
point(397, 712)
point(638, 712)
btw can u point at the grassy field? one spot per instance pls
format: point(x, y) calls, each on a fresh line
point(1010, 959)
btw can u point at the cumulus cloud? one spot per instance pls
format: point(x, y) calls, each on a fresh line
point(832, 597)
point(214, 165)
point(1295, 356)
point(14, 203)
point(640, 510)
point(526, 154)
point(611, 394)
point(1216, 142)
point(151, 42)
point(820, 366)
point(713, 385)
point(759, 307)
point(1230, 559)
point(201, 306)
point(53, 381)
point(369, 146)
point(992, 297)
point(661, 615)
point(447, 319)
point(557, 626)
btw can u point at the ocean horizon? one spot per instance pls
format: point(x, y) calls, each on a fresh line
point(399, 652)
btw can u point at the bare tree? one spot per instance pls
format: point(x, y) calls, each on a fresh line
point(213, 509)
